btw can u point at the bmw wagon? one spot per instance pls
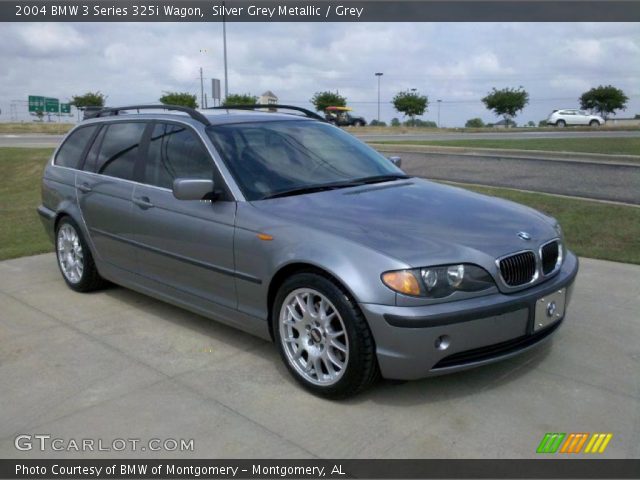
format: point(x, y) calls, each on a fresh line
point(289, 228)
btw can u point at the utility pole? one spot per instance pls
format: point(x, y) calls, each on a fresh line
point(224, 40)
point(201, 90)
point(378, 74)
point(439, 102)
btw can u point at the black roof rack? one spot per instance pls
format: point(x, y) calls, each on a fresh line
point(193, 113)
point(307, 113)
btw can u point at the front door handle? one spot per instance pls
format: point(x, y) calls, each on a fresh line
point(143, 202)
point(84, 187)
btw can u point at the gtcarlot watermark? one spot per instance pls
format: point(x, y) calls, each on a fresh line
point(46, 442)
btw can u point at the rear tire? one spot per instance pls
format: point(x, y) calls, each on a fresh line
point(323, 338)
point(74, 258)
point(561, 124)
point(594, 123)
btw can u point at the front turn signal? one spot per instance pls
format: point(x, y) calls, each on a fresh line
point(402, 281)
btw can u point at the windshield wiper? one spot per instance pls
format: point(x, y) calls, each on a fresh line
point(333, 186)
point(382, 178)
point(313, 188)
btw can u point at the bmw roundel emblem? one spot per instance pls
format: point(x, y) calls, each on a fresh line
point(524, 236)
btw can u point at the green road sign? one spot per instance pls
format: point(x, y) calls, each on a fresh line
point(36, 104)
point(65, 108)
point(51, 105)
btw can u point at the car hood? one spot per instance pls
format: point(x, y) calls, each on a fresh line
point(417, 221)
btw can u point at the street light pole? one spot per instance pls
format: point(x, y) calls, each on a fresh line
point(378, 74)
point(224, 40)
point(439, 102)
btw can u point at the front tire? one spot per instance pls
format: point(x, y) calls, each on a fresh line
point(74, 258)
point(323, 338)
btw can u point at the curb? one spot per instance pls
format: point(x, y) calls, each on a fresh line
point(598, 158)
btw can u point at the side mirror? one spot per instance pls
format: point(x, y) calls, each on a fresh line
point(397, 161)
point(192, 189)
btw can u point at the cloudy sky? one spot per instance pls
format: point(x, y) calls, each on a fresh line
point(455, 62)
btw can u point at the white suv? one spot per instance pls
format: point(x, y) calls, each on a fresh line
point(562, 118)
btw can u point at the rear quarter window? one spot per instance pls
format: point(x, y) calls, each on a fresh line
point(70, 153)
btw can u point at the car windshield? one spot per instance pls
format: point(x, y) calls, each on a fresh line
point(272, 158)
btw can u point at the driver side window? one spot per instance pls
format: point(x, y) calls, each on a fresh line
point(175, 152)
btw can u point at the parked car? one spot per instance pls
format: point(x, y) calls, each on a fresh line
point(344, 117)
point(293, 230)
point(562, 118)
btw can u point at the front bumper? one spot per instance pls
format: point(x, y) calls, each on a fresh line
point(479, 330)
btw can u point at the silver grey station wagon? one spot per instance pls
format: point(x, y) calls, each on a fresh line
point(291, 229)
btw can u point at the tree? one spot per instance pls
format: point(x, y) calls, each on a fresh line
point(376, 123)
point(604, 100)
point(474, 123)
point(240, 99)
point(89, 99)
point(410, 103)
point(395, 122)
point(531, 123)
point(506, 102)
point(179, 98)
point(322, 100)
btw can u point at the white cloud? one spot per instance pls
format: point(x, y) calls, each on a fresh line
point(50, 38)
point(456, 62)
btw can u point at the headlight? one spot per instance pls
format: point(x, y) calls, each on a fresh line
point(440, 281)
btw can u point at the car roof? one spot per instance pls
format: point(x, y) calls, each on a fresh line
point(215, 117)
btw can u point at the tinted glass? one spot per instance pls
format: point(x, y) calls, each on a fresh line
point(120, 149)
point(175, 152)
point(92, 154)
point(270, 157)
point(71, 151)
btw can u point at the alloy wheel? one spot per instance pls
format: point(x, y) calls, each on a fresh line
point(314, 337)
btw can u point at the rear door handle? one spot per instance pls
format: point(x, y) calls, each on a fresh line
point(84, 187)
point(143, 202)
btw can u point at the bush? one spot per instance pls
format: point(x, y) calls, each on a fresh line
point(474, 123)
point(376, 123)
point(395, 122)
point(420, 123)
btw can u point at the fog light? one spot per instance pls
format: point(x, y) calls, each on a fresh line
point(442, 342)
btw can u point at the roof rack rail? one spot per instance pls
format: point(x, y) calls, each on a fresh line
point(193, 113)
point(307, 113)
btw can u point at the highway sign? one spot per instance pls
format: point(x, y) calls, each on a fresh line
point(51, 105)
point(65, 108)
point(36, 104)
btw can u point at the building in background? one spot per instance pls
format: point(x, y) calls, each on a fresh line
point(268, 98)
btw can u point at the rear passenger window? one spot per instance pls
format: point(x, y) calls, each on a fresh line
point(120, 149)
point(175, 152)
point(70, 152)
point(92, 155)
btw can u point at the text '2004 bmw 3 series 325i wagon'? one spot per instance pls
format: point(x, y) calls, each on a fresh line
point(291, 229)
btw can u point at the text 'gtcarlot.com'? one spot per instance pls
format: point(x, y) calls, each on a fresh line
point(43, 443)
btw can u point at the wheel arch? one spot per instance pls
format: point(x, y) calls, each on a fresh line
point(290, 269)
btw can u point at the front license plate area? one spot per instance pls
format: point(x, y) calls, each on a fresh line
point(549, 309)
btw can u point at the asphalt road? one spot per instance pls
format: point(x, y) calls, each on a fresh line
point(117, 364)
point(620, 183)
point(30, 140)
point(371, 137)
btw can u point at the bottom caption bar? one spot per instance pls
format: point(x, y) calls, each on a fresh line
point(322, 469)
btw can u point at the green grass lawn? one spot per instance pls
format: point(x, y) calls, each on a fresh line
point(592, 229)
point(21, 232)
point(621, 145)
point(36, 127)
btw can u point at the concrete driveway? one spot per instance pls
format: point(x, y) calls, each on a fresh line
point(116, 364)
